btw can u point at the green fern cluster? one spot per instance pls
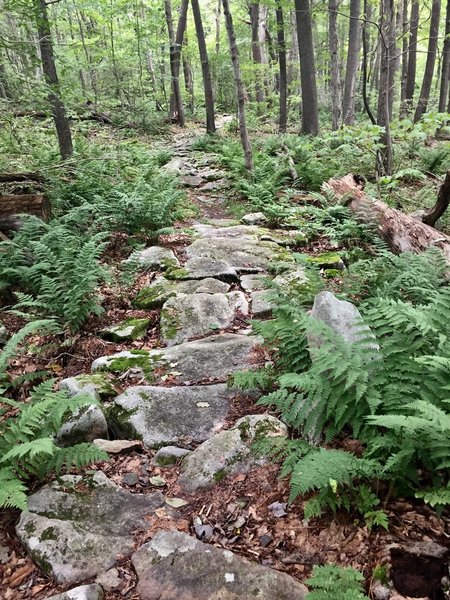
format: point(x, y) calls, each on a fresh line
point(388, 388)
point(28, 429)
point(54, 272)
point(339, 583)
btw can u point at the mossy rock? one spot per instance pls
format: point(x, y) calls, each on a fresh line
point(99, 385)
point(130, 329)
point(154, 296)
point(327, 260)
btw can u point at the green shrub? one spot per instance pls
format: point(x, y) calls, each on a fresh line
point(339, 583)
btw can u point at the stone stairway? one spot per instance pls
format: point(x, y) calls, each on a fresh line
point(176, 399)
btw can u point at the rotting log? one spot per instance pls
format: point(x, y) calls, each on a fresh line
point(14, 205)
point(403, 233)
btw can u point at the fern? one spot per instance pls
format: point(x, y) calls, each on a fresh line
point(339, 583)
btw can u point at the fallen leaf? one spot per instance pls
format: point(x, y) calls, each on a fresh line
point(158, 481)
point(175, 502)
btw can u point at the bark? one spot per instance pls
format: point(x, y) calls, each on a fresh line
point(281, 41)
point(254, 10)
point(432, 215)
point(404, 60)
point(188, 78)
point(412, 55)
point(445, 73)
point(207, 82)
point(310, 111)
point(176, 43)
point(402, 232)
point(240, 90)
point(365, 39)
point(396, 58)
point(348, 106)
point(174, 91)
point(334, 64)
point(51, 78)
point(12, 206)
point(384, 157)
point(431, 60)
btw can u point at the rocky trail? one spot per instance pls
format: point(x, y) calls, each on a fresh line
point(183, 509)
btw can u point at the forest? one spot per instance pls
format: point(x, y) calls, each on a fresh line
point(224, 299)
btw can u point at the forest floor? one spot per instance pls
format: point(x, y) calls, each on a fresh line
point(240, 508)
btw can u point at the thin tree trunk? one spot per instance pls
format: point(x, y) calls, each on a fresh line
point(445, 73)
point(404, 60)
point(384, 162)
point(348, 107)
point(176, 43)
point(365, 38)
point(254, 10)
point(334, 64)
point(412, 56)
point(310, 110)
point(396, 56)
point(281, 41)
point(431, 60)
point(51, 79)
point(207, 83)
point(188, 78)
point(240, 91)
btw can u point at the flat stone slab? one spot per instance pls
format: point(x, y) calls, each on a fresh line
point(169, 455)
point(192, 180)
point(83, 592)
point(74, 534)
point(202, 267)
point(176, 566)
point(161, 416)
point(188, 316)
point(256, 218)
point(162, 289)
point(229, 452)
point(157, 258)
point(227, 228)
point(118, 446)
point(214, 357)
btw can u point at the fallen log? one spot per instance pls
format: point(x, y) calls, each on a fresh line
point(403, 233)
point(14, 205)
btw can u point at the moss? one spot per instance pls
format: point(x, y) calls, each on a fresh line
point(49, 534)
point(30, 528)
point(39, 559)
point(170, 323)
point(169, 263)
point(153, 297)
point(327, 260)
point(219, 475)
point(244, 429)
point(103, 384)
point(119, 423)
point(140, 359)
point(176, 274)
point(131, 329)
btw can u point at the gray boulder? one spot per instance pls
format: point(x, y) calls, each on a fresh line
point(87, 424)
point(229, 452)
point(253, 283)
point(161, 416)
point(162, 289)
point(176, 566)
point(98, 385)
point(83, 592)
point(188, 316)
point(73, 534)
point(3, 334)
point(261, 305)
point(214, 357)
point(157, 258)
point(130, 329)
point(192, 180)
point(257, 218)
point(342, 317)
point(169, 455)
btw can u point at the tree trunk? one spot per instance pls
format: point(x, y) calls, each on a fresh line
point(348, 107)
point(445, 73)
point(412, 56)
point(12, 206)
point(240, 91)
point(402, 232)
point(188, 78)
point(51, 78)
point(365, 40)
point(384, 162)
point(176, 43)
point(281, 41)
point(173, 92)
point(310, 111)
point(334, 64)
point(432, 215)
point(207, 83)
point(431, 60)
point(404, 80)
point(254, 10)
